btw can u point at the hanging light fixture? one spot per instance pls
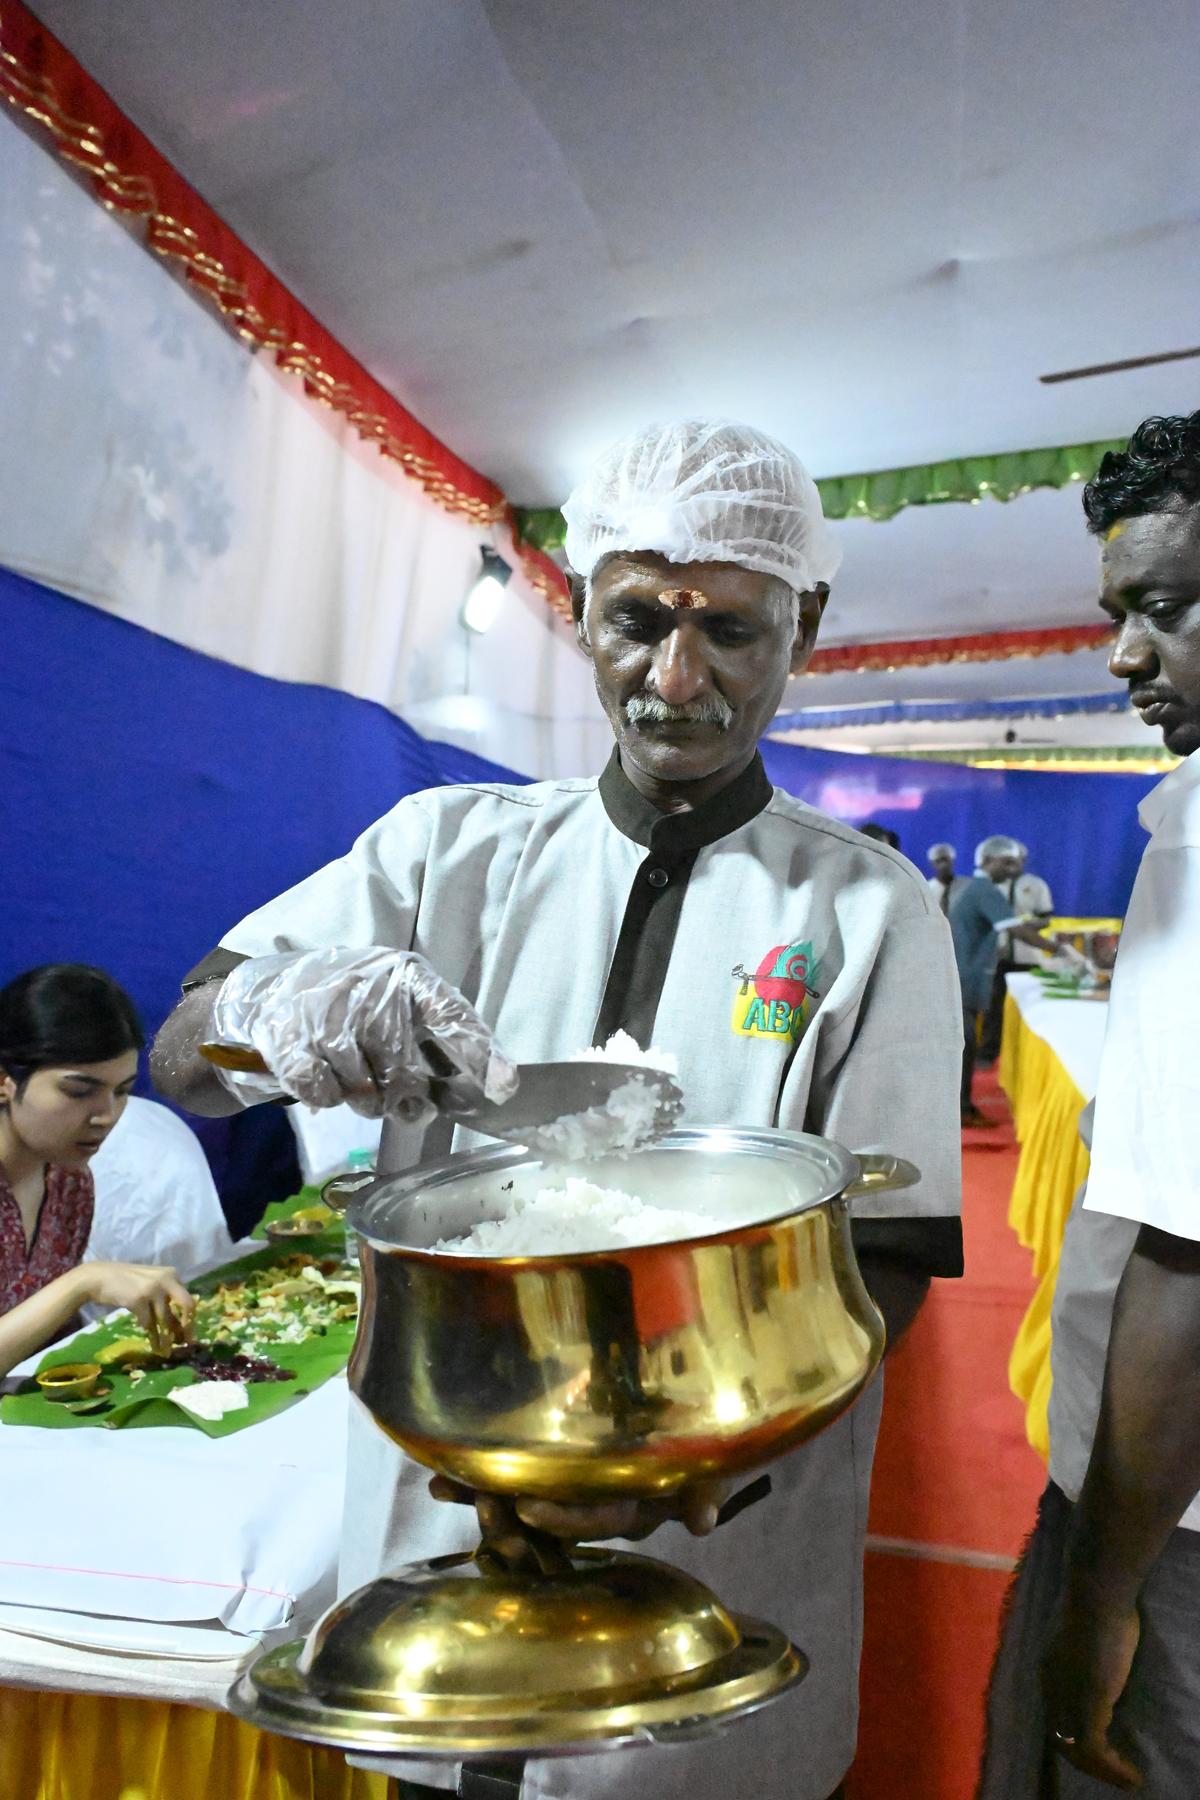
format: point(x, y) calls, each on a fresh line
point(482, 604)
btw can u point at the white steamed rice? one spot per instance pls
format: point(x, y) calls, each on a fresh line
point(626, 1121)
point(621, 1048)
point(579, 1216)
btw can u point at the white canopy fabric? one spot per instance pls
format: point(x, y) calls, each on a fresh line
point(154, 466)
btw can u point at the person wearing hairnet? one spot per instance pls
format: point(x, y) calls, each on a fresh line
point(979, 916)
point(944, 884)
point(802, 974)
point(1031, 900)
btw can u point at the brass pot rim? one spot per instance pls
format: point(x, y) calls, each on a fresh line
point(842, 1170)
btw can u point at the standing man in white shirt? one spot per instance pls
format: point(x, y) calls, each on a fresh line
point(1108, 1595)
point(944, 883)
point(802, 974)
point(1032, 901)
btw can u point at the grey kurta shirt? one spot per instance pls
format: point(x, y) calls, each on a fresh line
point(805, 980)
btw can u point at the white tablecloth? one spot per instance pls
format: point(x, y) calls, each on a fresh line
point(1074, 1029)
point(167, 1524)
point(77, 1654)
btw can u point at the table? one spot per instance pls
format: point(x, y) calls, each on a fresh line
point(1049, 1068)
point(188, 1555)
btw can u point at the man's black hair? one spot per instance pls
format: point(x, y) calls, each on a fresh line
point(1160, 465)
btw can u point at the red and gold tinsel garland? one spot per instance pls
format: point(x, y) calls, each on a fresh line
point(42, 80)
point(988, 646)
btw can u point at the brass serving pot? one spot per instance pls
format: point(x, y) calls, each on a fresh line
point(580, 1377)
point(630, 1372)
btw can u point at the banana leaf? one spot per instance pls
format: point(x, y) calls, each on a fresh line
point(133, 1404)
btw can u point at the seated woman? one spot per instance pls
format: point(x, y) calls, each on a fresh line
point(69, 1042)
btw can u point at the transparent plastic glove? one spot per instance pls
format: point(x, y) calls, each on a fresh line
point(377, 1029)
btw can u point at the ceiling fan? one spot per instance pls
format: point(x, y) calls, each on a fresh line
point(1114, 368)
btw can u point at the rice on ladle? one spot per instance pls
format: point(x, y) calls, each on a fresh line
point(628, 1119)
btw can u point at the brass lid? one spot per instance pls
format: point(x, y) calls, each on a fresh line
point(451, 1659)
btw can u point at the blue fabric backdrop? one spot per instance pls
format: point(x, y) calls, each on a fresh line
point(1082, 830)
point(151, 796)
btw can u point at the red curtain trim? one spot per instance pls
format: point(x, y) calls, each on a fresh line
point(992, 646)
point(40, 78)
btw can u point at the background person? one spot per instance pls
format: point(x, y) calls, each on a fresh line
point(1110, 1579)
point(1031, 900)
point(704, 564)
point(944, 883)
point(69, 1042)
point(979, 913)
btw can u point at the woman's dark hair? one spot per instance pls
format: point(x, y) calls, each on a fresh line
point(64, 1013)
point(1160, 464)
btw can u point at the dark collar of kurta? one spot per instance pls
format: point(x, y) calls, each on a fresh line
point(673, 836)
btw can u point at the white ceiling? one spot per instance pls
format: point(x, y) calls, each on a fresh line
point(947, 570)
point(867, 227)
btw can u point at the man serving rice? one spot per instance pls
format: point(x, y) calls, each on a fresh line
point(801, 973)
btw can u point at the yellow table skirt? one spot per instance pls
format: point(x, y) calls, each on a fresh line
point(1053, 1165)
point(97, 1747)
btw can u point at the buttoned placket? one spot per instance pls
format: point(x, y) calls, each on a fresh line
point(673, 843)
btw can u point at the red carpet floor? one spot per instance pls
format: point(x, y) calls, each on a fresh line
point(954, 1495)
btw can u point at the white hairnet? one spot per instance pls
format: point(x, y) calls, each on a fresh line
point(996, 846)
point(936, 850)
point(703, 490)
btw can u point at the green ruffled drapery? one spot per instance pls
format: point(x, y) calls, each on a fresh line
point(886, 492)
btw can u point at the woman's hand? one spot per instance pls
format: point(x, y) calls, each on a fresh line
point(155, 1296)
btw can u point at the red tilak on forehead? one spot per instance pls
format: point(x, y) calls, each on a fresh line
point(683, 598)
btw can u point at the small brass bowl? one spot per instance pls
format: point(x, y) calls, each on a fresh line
point(626, 1373)
point(69, 1381)
point(296, 1226)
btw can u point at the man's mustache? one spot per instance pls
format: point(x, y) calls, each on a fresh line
point(649, 709)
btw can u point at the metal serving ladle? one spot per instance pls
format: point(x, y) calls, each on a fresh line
point(548, 1094)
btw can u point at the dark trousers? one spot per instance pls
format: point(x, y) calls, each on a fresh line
point(970, 1028)
point(1157, 1719)
point(993, 1018)
point(476, 1781)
